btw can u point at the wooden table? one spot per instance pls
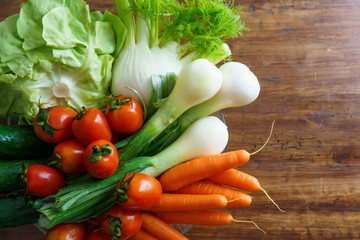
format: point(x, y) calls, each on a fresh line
point(306, 55)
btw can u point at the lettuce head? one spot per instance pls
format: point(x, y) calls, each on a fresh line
point(58, 52)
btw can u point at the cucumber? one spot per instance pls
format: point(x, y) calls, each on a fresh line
point(20, 142)
point(17, 210)
point(10, 171)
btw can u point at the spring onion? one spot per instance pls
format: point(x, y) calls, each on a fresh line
point(239, 87)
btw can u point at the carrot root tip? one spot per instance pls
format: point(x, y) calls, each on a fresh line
point(271, 200)
point(248, 221)
point(267, 140)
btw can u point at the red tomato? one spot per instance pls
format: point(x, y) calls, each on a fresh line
point(42, 180)
point(68, 231)
point(130, 222)
point(68, 156)
point(96, 234)
point(101, 159)
point(90, 125)
point(125, 115)
point(54, 124)
point(142, 192)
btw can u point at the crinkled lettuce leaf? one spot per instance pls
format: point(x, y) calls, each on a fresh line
point(59, 52)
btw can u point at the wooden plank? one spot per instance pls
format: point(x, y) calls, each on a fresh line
point(319, 205)
point(306, 56)
point(288, 226)
point(17, 233)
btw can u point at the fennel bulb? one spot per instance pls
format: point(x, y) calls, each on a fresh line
point(136, 64)
point(165, 35)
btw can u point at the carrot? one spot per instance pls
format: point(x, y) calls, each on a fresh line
point(238, 179)
point(144, 235)
point(200, 168)
point(184, 202)
point(201, 217)
point(159, 228)
point(236, 198)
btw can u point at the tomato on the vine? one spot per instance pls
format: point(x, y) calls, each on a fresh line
point(96, 234)
point(90, 124)
point(68, 156)
point(139, 191)
point(125, 115)
point(68, 231)
point(101, 158)
point(121, 223)
point(42, 180)
point(54, 124)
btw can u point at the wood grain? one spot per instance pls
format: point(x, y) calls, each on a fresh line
point(306, 55)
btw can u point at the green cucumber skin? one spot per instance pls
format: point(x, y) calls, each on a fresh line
point(10, 171)
point(20, 142)
point(16, 211)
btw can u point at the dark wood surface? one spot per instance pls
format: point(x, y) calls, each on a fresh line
point(306, 55)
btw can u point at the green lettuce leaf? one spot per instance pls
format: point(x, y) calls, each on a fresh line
point(119, 30)
point(12, 55)
point(59, 52)
point(62, 30)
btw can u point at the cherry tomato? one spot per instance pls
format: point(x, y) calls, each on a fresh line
point(96, 234)
point(42, 180)
point(129, 225)
point(125, 115)
point(89, 125)
point(101, 158)
point(142, 192)
point(54, 124)
point(68, 156)
point(68, 231)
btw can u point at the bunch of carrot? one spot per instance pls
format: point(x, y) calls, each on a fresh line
point(195, 191)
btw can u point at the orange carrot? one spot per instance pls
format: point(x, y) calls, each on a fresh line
point(236, 198)
point(238, 179)
point(201, 217)
point(200, 168)
point(185, 202)
point(197, 169)
point(144, 235)
point(159, 228)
